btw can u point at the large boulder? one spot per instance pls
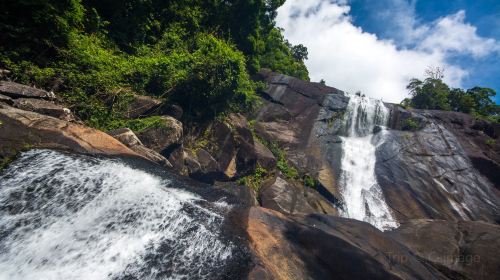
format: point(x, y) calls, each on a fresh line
point(128, 137)
point(15, 90)
point(161, 138)
point(21, 129)
point(326, 247)
point(460, 250)
point(43, 107)
point(293, 198)
point(141, 105)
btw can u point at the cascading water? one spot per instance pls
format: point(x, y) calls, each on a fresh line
point(66, 216)
point(363, 198)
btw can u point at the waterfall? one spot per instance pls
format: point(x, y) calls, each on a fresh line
point(66, 216)
point(362, 196)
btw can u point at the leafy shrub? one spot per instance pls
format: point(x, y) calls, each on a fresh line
point(255, 180)
point(410, 124)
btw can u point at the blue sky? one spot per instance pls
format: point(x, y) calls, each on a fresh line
point(377, 46)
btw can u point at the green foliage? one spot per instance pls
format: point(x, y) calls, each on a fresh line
point(433, 93)
point(491, 142)
point(429, 94)
point(410, 124)
point(310, 182)
point(255, 180)
point(281, 161)
point(137, 125)
point(96, 53)
point(36, 29)
point(278, 55)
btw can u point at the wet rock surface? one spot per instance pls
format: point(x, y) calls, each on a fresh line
point(427, 174)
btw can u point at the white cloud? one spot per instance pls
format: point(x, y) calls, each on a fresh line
point(350, 59)
point(452, 35)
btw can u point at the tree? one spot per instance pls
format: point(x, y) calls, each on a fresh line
point(300, 52)
point(429, 94)
point(433, 93)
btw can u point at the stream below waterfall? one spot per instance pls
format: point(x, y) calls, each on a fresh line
point(66, 216)
point(362, 196)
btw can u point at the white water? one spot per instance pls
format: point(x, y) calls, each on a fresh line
point(363, 197)
point(75, 217)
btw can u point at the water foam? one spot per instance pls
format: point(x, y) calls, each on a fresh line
point(74, 217)
point(362, 196)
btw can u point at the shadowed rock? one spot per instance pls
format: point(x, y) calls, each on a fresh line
point(15, 90)
point(460, 250)
point(325, 247)
point(141, 105)
point(293, 198)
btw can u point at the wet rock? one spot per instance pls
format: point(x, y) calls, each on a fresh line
point(44, 107)
point(21, 129)
point(480, 140)
point(427, 174)
point(15, 90)
point(326, 247)
point(128, 137)
point(245, 194)
point(293, 198)
point(164, 136)
point(141, 105)
point(460, 250)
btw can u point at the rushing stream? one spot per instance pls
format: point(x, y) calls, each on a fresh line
point(363, 198)
point(66, 216)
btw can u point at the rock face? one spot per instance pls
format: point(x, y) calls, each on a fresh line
point(460, 250)
point(326, 247)
point(431, 164)
point(129, 139)
point(302, 118)
point(427, 174)
point(163, 137)
point(23, 129)
point(15, 90)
